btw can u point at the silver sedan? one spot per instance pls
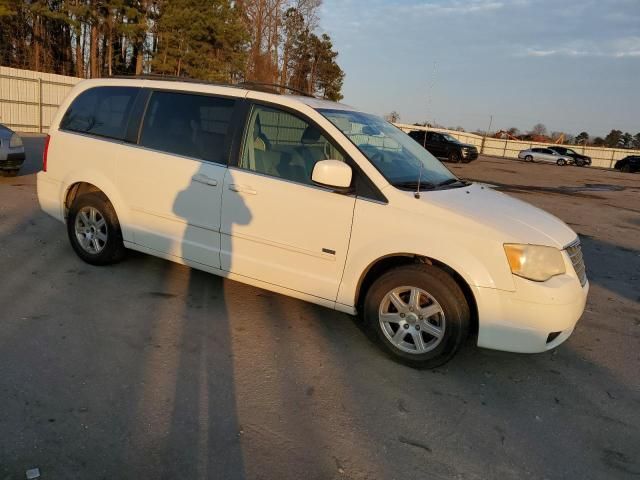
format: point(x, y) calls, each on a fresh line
point(544, 155)
point(11, 152)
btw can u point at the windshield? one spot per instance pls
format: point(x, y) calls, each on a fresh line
point(395, 154)
point(450, 138)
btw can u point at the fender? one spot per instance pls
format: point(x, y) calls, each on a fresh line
point(104, 184)
point(476, 258)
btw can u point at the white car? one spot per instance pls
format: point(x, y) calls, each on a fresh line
point(539, 154)
point(314, 200)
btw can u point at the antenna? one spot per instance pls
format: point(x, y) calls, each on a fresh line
point(417, 194)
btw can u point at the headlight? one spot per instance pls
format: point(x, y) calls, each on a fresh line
point(534, 262)
point(15, 141)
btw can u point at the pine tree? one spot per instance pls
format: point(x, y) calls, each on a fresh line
point(203, 40)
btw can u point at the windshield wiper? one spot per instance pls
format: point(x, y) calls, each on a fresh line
point(413, 184)
point(452, 181)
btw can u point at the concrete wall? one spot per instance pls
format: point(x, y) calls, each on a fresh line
point(600, 157)
point(29, 100)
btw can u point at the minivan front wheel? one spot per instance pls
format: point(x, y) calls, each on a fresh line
point(94, 230)
point(417, 314)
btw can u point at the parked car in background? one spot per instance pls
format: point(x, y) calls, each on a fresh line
point(444, 146)
point(244, 184)
point(578, 159)
point(628, 164)
point(544, 155)
point(11, 152)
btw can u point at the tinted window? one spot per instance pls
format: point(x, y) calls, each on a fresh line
point(283, 145)
point(102, 111)
point(191, 125)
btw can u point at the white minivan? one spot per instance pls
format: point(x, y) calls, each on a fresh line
point(314, 200)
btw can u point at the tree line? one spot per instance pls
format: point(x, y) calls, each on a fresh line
point(614, 139)
point(229, 41)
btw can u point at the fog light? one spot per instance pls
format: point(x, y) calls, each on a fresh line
point(552, 336)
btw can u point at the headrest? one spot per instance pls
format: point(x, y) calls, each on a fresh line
point(311, 135)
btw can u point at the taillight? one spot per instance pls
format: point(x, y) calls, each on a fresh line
point(45, 152)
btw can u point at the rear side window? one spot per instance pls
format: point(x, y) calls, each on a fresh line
point(101, 111)
point(185, 124)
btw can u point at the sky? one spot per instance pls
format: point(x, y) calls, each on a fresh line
point(573, 65)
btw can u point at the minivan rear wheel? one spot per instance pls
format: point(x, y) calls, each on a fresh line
point(417, 314)
point(94, 230)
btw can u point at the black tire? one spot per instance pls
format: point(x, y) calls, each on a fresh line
point(580, 163)
point(442, 287)
point(626, 168)
point(9, 173)
point(561, 162)
point(113, 249)
point(528, 158)
point(455, 157)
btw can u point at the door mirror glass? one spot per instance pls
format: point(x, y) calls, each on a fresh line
point(332, 173)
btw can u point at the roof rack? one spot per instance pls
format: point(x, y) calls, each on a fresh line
point(260, 85)
point(172, 78)
point(248, 85)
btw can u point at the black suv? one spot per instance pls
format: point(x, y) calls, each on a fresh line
point(578, 159)
point(445, 146)
point(628, 164)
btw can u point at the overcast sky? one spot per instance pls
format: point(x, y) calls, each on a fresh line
point(571, 64)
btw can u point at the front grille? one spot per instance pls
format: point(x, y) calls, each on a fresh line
point(575, 254)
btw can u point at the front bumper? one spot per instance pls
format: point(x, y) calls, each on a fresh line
point(469, 155)
point(536, 317)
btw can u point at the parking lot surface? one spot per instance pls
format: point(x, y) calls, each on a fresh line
point(151, 370)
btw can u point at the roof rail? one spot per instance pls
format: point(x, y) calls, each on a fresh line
point(248, 85)
point(172, 78)
point(260, 85)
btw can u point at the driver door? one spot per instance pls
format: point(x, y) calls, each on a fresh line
point(277, 226)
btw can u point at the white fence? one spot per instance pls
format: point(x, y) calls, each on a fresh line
point(29, 100)
point(600, 157)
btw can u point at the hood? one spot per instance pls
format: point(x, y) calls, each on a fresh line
point(510, 219)
point(467, 145)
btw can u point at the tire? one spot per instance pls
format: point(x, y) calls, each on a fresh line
point(561, 162)
point(438, 292)
point(9, 173)
point(454, 157)
point(93, 214)
point(626, 168)
point(580, 163)
point(528, 158)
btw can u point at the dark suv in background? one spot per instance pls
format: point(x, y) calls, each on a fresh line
point(628, 164)
point(445, 146)
point(578, 159)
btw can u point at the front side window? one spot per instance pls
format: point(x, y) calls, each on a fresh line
point(283, 145)
point(188, 124)
point(101, 111)
point(400, 159)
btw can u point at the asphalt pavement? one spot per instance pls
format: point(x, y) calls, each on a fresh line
point(151, 370)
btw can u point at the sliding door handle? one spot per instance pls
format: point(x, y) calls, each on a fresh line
point(202, 178)
point(242, 189)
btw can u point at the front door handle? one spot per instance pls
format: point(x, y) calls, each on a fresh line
point(202, 178)
point(242, 189)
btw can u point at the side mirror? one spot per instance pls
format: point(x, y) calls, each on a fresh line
point(333, 174)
